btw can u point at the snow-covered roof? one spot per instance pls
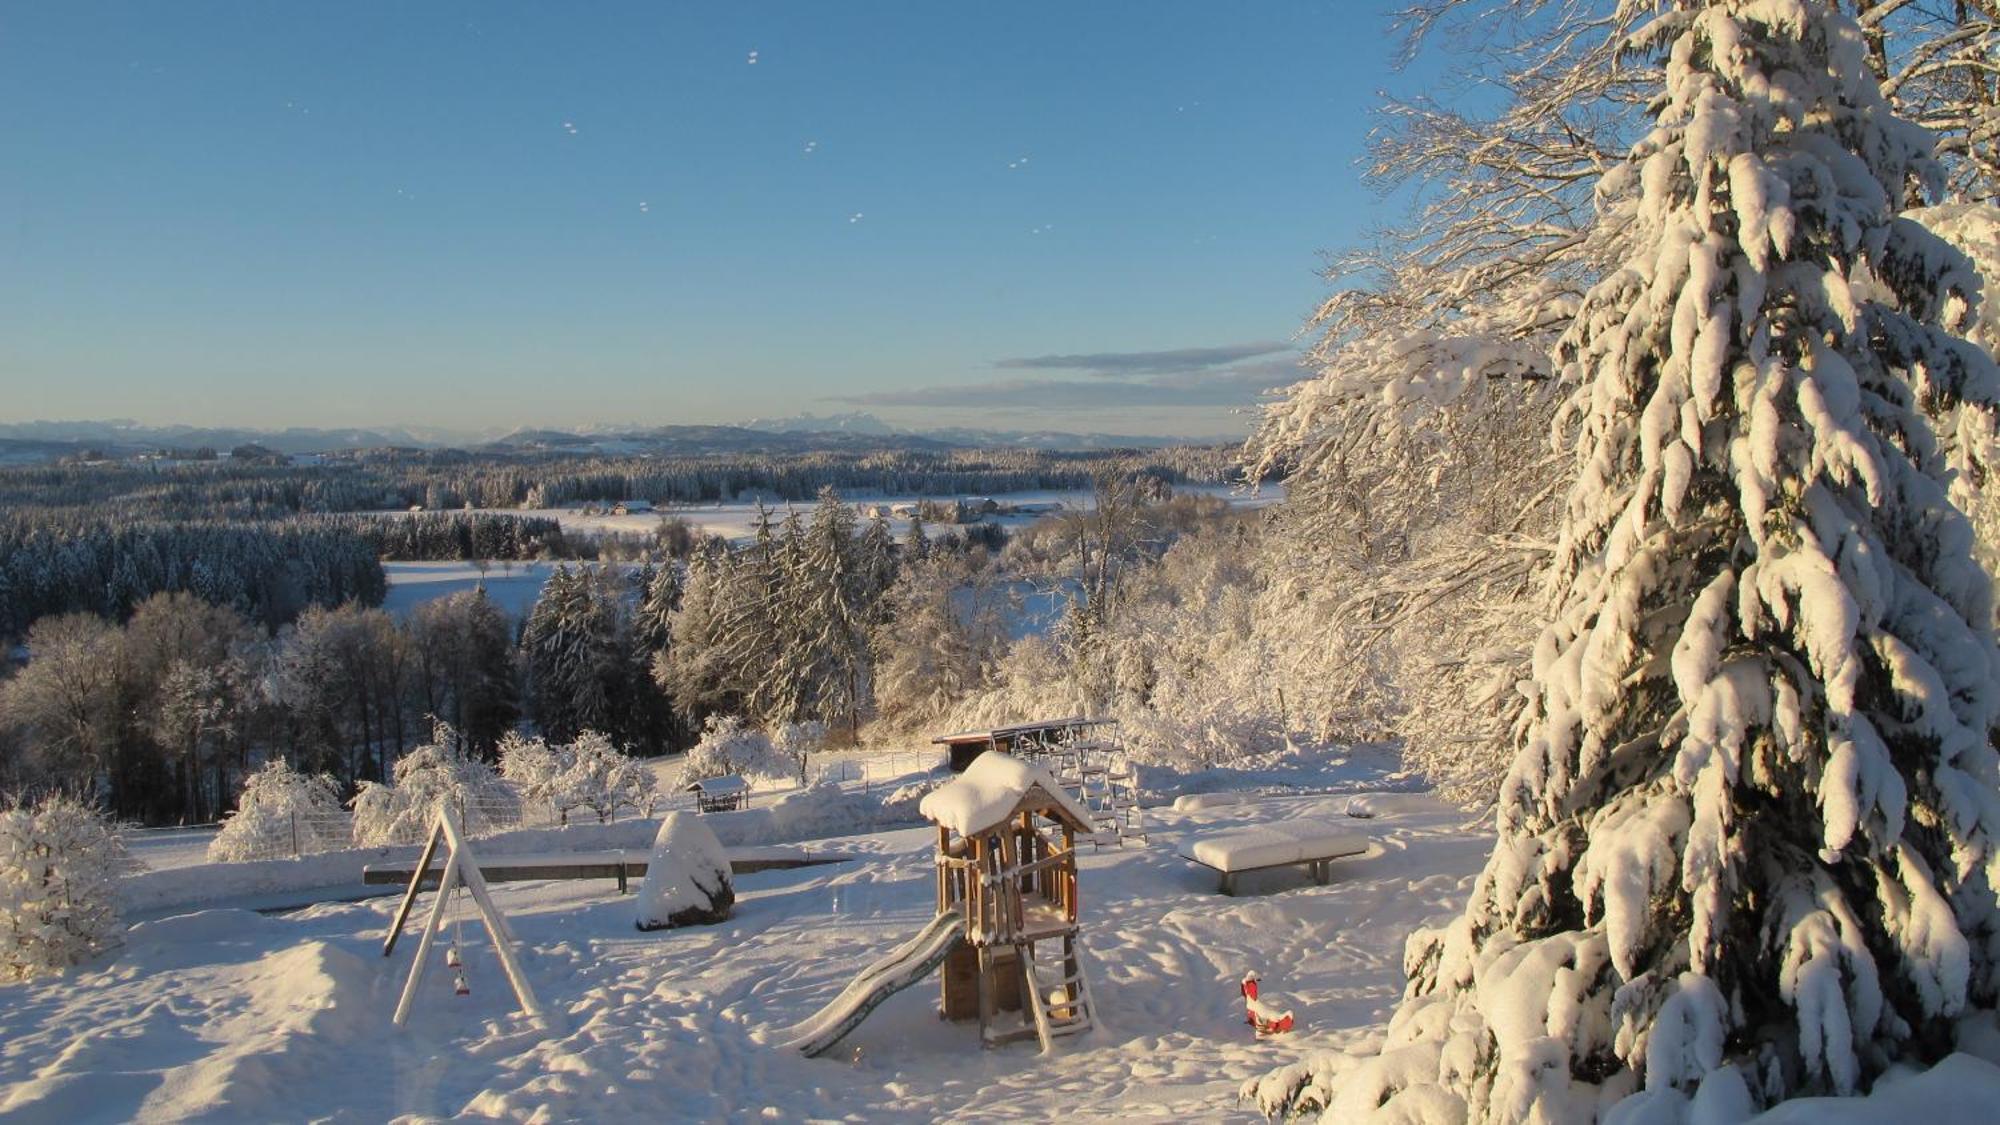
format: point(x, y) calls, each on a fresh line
point(727, 783)
point(991, 789)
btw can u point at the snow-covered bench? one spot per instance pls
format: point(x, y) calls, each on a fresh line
point(1313, 844)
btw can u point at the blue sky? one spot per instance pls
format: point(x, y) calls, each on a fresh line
point(1077, 216)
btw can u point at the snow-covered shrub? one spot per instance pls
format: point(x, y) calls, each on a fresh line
point(282, 812)
point(1746, 846)
point(727, 747)
point(429, 776)
point(58, 901)
point(377, 810)
point(687, 879)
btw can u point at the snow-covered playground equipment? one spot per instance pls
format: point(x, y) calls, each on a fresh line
point(1006, 885)
point(461, 869)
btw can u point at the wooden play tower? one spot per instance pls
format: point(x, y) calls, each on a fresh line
point(1006, 862)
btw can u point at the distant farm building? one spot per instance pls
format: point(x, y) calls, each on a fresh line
point(631, 507)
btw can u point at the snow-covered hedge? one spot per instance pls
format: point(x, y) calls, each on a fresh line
point(58, 903)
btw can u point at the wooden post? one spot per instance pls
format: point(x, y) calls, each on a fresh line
point(1069, 872)
point(476, 883)
point(431, 926)
point(410, 895)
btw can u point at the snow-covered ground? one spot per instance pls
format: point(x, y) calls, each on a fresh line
point(234, 1015)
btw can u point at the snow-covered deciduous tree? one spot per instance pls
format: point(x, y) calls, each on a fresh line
point(282, 812)
point(798, 742)
point(1747, 844)
point(728, 747)
point(938, 633)
point(463, 661)
point(59, 862)
point(595, 775)
point(531, 765)
point(64, 704)
point(428, 777)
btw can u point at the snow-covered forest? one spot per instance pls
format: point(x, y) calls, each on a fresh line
point(1640, 504)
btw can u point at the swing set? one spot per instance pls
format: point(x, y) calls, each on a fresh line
point(460, 877)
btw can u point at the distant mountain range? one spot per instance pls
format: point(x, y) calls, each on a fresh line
point(31, 442)
point(860, 423)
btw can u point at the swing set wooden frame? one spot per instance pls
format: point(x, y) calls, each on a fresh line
point(460, 869)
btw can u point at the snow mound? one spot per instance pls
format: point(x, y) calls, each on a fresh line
point(199, 928)
point(1961, 1090)
point(1397, 804)
point(989, 789)
point(1195, 802)
point(687, 879)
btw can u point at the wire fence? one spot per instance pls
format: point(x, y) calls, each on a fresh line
point(293, 834)
point(869, 771)
point(296, 834)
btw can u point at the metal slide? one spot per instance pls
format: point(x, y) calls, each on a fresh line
point(909, 963)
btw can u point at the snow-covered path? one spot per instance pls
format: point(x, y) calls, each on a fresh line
point(228, 1015)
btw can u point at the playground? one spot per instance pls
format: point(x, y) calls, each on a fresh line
point(237, 1015)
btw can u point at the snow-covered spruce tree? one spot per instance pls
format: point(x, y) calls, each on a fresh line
point(1747, 846)
point(281, 813)
point(1974, 230)
point(59, 862)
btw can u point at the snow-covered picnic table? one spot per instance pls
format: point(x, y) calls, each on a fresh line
point(1307, 842)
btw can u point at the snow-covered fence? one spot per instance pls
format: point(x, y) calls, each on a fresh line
point(297, 834)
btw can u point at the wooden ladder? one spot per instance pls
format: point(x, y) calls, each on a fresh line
point(1058, 1001)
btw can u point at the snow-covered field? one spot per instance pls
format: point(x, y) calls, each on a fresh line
point(228, 1014)
point(512, 586)
point(734, 519)
point(515, 586)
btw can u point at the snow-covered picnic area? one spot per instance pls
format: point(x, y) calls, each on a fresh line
point(233, 1015)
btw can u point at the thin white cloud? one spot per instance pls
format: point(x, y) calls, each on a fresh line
point(1186, 377)
point(1173, 361)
